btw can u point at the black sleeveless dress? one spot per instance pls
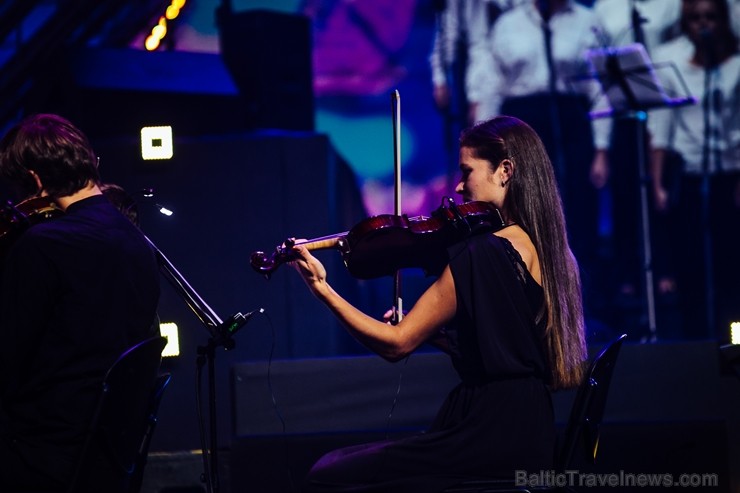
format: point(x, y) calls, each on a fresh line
point(499, 419)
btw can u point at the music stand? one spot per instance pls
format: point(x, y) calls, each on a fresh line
point(630, 84)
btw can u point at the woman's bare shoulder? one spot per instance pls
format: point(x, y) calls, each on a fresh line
point(522, 243)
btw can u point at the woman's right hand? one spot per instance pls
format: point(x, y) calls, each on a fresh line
point(388, 317)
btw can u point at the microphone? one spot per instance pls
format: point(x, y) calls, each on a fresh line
point(601, 38)
point(706, 38)
point(637, 21)
point(545, 10)
point(235, 322)
point(148, 193)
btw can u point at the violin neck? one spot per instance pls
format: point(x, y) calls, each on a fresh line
point(324, 243)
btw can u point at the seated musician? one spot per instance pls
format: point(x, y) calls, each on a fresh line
point(77, 291)
point(507, 308)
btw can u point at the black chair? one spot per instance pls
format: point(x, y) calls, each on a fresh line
point(151, 422)
point(582, 429)
point(115, 449)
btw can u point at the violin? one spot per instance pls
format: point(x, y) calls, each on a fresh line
point(14, 219)
point(381, 245)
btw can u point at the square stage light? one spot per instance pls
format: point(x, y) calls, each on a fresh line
point(156, 142)
point(169, 330)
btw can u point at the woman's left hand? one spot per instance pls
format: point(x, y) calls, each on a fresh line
point(311, 270)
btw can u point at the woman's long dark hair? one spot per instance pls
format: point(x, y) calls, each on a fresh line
point(533, 202)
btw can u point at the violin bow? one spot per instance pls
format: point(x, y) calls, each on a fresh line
point(396, 111)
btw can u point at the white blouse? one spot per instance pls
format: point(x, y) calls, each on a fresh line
point(682, 128)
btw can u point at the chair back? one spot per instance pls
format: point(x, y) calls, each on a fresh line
point(588, 406)
point(151, 422)
point(121, 420)
point(730, 355)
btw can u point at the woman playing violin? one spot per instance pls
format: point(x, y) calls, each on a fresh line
point(77, 290)
point(507, 308)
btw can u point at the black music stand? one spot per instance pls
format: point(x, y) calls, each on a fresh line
point(630, 84)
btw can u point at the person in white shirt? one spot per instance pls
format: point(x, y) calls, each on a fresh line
point(704, 140)
point(461, 35)
point(658, 21)
point(735, 15)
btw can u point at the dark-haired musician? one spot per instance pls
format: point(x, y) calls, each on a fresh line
point(77, 290)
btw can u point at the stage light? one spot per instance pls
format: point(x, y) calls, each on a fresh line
point(173, 10)
point(169, 330)
point(735, 333)
point(156, 143)
point(159, 31)
point(164, 210)
point(151, 43)
point(157, 35)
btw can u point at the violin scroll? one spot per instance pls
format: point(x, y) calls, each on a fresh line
point(266, 265)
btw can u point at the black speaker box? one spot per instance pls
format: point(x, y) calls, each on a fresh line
point(268, 54)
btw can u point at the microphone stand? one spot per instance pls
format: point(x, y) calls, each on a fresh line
point(221, 336)
point(707, 109)
point(454, 60)
point(545, 9)
point(637, 112)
